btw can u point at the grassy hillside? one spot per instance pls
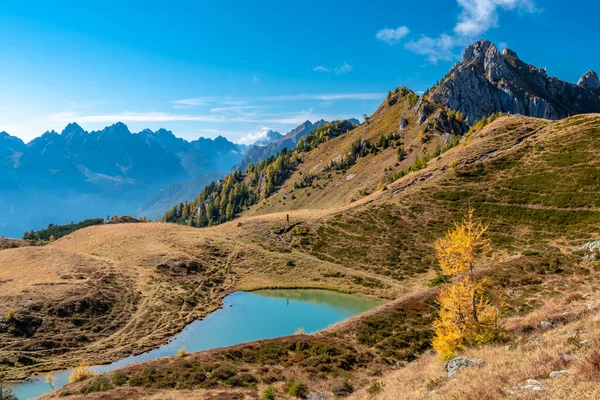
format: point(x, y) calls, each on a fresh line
point(534, 182)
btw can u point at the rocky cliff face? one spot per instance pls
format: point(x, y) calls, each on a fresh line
point(488, 81)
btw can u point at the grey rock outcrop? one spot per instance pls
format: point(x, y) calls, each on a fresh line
point(457, 364)
point(487, 81)
point(556, 374)
point(403, 124)
point(589, 80)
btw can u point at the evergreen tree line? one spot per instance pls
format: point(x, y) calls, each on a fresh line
point(53, 232)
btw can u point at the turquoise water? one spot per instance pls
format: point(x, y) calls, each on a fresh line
point(245, 317)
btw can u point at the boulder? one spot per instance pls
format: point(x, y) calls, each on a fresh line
point(457, 364)
point(532, 385)
point(556, 374)
point(546, 324)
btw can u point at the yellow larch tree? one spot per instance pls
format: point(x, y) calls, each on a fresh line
point(468, 313)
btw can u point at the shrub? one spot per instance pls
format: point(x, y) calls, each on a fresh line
point(343, 388)
point(375, 388)
point(589, 367)
point(298, 389)
point(181, 352)
point(11, 315)
point(119, 378)
point(300, 230)
point(6, 393)
point(81, 373)
point(268, 394)
point(440, 279)
point(100, 384)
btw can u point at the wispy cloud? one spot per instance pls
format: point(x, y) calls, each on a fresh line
point(254, 136)
point(320, 68)
point(475, 18)
point(440, 48)
point(326, 97)
point(235, 108)
point(67, 117)
point(244, 103)
point(392, 36)
point(343, 68)
point(195, 101)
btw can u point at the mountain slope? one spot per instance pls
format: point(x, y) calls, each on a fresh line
point(488, 81)
point(258, 153)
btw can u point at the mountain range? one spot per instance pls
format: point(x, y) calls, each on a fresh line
point(76, 174)
point(84, 174)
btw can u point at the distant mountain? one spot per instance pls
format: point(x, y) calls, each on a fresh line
point(80, 174)
point(271, 136)
point(488, 81)
point(259, 152)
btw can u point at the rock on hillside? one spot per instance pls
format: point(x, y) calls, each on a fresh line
point(487, 81)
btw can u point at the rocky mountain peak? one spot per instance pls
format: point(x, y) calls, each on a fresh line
point(589, 80)
point(476, 52)
point(72, 128)
point(485, 56)
point(488, 81)
point(509, 53)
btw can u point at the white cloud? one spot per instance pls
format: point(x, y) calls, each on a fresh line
point(131, 117)
point(392, 36)
point(196, 101)
point(238, 109)
point(326, 97)
point(475, 18)
point(252, 137)
point(441, 48)
point(320, 68)
point(343, 68)
point(478, 16)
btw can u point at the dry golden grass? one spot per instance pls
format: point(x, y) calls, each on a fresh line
point(532, 355)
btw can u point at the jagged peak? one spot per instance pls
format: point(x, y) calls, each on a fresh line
point(508, 52)
point(72, 128)
point(476, 52)
point(589, 80)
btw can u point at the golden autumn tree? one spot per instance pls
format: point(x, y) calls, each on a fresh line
point(81, 373)
point(468, 313)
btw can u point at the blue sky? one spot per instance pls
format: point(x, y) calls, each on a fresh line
point(238, 68)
